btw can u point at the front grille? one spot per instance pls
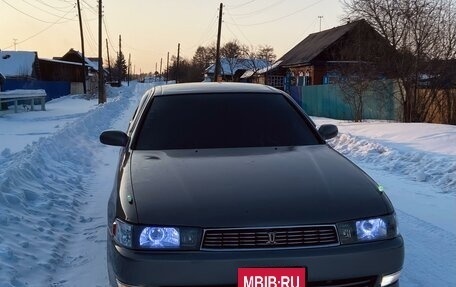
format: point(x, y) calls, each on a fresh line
point(352, 282)
point(269, 238)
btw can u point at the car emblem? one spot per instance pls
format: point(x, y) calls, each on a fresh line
point(271, 238)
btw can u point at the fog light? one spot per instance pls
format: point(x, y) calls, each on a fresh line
point(390, 278)
point(120, 284)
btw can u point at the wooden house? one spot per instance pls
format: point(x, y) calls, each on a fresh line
point(317, 59)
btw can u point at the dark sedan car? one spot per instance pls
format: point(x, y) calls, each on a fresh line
point(218, 178)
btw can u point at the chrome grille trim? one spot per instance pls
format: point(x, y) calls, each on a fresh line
point(259, 238)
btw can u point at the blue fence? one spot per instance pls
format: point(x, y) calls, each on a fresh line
point(328, 101)
point(54, 89)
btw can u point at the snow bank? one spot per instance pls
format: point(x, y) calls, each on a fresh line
point(422, 152)
point(439, 170)
point(22, 93)
point(41, 191)
point(44, 187)
point(18, 130)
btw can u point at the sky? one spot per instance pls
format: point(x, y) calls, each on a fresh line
point(152, 28)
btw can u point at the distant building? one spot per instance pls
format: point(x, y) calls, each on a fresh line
point(19, 64)
point(314, 61)
point(232, 69)
point(91, 63)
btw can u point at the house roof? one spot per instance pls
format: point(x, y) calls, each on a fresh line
point(314, 44)
point(229, 66)
point(60, 61)
point(17, 63)
point(261, 71)
point(91, 62)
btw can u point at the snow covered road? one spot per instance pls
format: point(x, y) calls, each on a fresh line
point(55, 179)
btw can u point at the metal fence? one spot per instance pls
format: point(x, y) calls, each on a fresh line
point(54, 89)
point(328, 101)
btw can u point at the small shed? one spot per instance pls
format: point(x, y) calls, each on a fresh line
point(91, 63)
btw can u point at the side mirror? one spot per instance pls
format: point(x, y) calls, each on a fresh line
point(328, 131)
point(115, 138)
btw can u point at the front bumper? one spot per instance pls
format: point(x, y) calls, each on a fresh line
point(212, 268)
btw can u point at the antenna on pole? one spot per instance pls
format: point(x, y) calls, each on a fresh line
point(320, 17)
point(15, 44)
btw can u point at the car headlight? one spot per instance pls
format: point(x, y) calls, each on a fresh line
point(155, 237)
point(370, 229)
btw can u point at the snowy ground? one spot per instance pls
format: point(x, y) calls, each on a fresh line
point(55, 179)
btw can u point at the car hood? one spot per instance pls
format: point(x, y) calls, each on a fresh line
point(245, 187)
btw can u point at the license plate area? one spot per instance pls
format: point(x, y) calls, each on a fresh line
point(272, 277)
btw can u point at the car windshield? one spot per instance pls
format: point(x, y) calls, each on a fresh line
point(199, 121)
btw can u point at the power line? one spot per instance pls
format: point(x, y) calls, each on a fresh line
point(239, 29)
point(31, 16)
point(242, 5)
point(61, 9)
point(38, 33)
point(43, 10)
point(259, 10)
point(108, 34)
point(232, 33)
point(92, 42)
point(91, 7)
point(208, 32)
point(283, 17)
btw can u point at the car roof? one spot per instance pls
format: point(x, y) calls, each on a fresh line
point(212, 87)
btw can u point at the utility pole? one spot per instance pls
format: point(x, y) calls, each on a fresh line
point(84, 85)
point(101, 95)
point(109, 61)
point(167, 68)
point(177, 66)
point(217, 53)
point(161, 63)
point(119, 64)
point(129, 67)
point(320, 17)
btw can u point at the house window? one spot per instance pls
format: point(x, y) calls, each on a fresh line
point(276, 81)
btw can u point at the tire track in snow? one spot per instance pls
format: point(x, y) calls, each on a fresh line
point(426, 222)
point(430, 253)
point(85, 262)
point(42, 190)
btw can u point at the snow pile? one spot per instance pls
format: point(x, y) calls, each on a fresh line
point(22, 93)
point(420, 166)
point(41, 192)
point(421, 152)
point(18, 130)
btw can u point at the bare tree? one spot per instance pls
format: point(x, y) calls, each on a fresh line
point(360, 55)
point(204, 56)
point(234, 53)
point(419, 31)
point(266, 52)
